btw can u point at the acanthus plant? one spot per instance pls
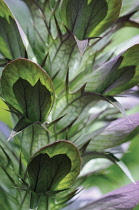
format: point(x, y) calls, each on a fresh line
point(62, 79)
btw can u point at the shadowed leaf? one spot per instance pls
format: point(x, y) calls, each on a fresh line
point(34, 100)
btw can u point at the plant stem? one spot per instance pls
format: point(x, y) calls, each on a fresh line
point(34, 200)
point(47, 202)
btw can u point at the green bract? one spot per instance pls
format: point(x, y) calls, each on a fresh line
point(89, 18)
point(52, 169)
point(28, 91)
point(59, 149)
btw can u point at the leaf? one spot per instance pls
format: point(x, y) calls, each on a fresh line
point(10, 150)
point(72, 110)
point(22, 14)
point(121, 165)
point(110, 100)
point(60, 149)
point(116, 133)
point(115, 76)
point(33, 138)
point(78, 106)
point(6, 7)
point(21, 124)
point(129, 63)
point(5, 202)
point(34, 29)
point(94, 165)
point(126, 197)
point(102, 162)
point(4, 12)
point(77, 112)
point(52, 169)
point(11, 45)
point(27, 89)
point(129, 6)
point(89, 18)
point(48, 125)
point(66, 50)
point(117, 105)
point(9, 160)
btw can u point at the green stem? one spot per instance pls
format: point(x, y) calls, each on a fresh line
point(47, 202)
point(34, 200)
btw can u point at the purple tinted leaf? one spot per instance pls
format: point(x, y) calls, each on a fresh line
point(123, 125)
point(117, 132)
point(126, 198)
